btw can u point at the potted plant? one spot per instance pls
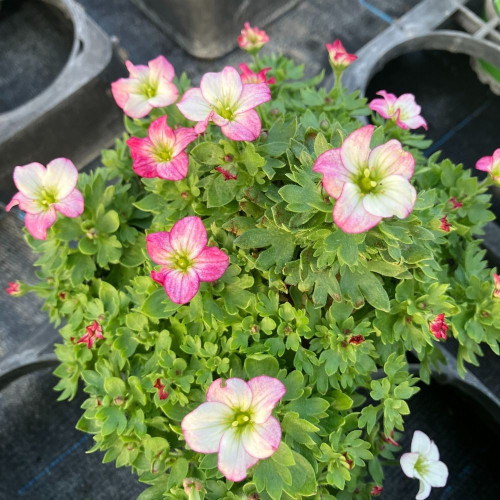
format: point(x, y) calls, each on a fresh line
point(242, 279)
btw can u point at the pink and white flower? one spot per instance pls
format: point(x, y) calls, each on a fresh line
point(162, 153)
point(339, 57)
point(45, 191)
point(491, 164)
point(252, 39)
point(229, 103)
point(94, 332)
point(423, 464)
point(237, 423)
point(248, 76)
point(403, 110)
point(367, 184)
point(438, 327)
point(146, 88)
point(496, 292)
point(185, 259)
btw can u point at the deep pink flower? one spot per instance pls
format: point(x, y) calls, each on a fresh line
point(228, 176)
point(439, 327)
point(339, 57)
point(237, 423)
point(185, 259)
point(252, 39)
point(376, 491)
point(445, 225)
point(496, 292)
point(403, 110)
point(94, 332)
point(367, 184)
point(455, 203)
point(248, 76)
point(356, 339)
point(161, 153)
point(146, 88)
point(491, 164)
point(13, 288)
point(162, 393)
point(45, 191)
point(229, 103)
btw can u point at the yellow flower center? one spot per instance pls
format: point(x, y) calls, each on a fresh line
point(367, 181)
point(241, 419)
point(182, 262)
point(47, 197)
point(162, 153)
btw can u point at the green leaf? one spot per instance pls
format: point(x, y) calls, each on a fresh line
point(178, 473)
point(110, 300)
point(374, 291)
point(208, 153)
point(345, 245)
point(252, 160)
point(158, 305)
point(279, 137)
point(220, 192)
point(82, 268)
point(341, 401)
point(261, 364)
point(303, 477)
point(109, 223)
point(114, 387)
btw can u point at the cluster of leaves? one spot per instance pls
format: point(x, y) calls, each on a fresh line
point(331, 315)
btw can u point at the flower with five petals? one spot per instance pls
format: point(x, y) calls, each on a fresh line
point(252, 39)
point(45, 191)
point(228, 102)
point(185, 259)
point(236, 422)
point(248, 76)
point(403, 110)
point(368, 184)
point(491, 164)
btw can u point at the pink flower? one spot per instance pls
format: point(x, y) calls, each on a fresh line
point(228, 176)
point(455, 203)
point(439, 327)
point(403, 110)
point(185, 259)
point(491, 164)
point(339, 57)
point(376, 491)
point(147, 87)
point(236, 422)
point(162, 393)
point(496, 292)
point(252, 39)
point(445, 225)
point(367, 184)
point(356, 339)
point(248, 76)
point(13, 288)
point(161, 153)
point(94, 332)
point(229, 103)
point(45, 191)
point(423, 464)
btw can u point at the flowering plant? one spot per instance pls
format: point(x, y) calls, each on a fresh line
point(241, 281)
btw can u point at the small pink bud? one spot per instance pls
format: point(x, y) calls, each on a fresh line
point(390, 440)
point(13, 288)
point(339, 57)
point(252, 39)
point(376, 491)
point(439, 327)
point(456, 204)
point(228, 158)
point(94, 332)
point(445, 225)
point(162, 393)
point(228, 176)
point(356, 339)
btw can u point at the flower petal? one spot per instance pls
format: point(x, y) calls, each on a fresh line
point(245, 127)
point(159, 276)
point(166, 94)
point(174, 170)
point(211, 264)
point(224, 87)
point(72, 205)
point(29, 179)
point(194, 106)
point(408, 461)
point(25, 203)
point(349, 213)
point(420, 443)
point(159, 248)
point(189, 235)
point(160, 133)
point(143, 162)
point(424, 490)
point(381, 107)
point(334, 173)
point(161, 68)
point(436, 474)
point(233, 458)
point(416, 122)
point(181, 286)
point(485, 164)
point(356, 149)
point(266, 393)
point(203, 427)
point(235, 393)
point(139, 71)
point(137, 106)
point(37, 224)
point(183, 137)
point(390, 158)
point(61, 176)
point(121, 89)
point(252, 95)
point(262, 440)
point(393, 196)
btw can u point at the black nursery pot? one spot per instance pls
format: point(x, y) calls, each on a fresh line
point(208, 28)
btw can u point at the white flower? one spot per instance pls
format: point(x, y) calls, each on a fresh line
point(423, 464)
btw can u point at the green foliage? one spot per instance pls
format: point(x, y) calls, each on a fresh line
point(297, 295)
